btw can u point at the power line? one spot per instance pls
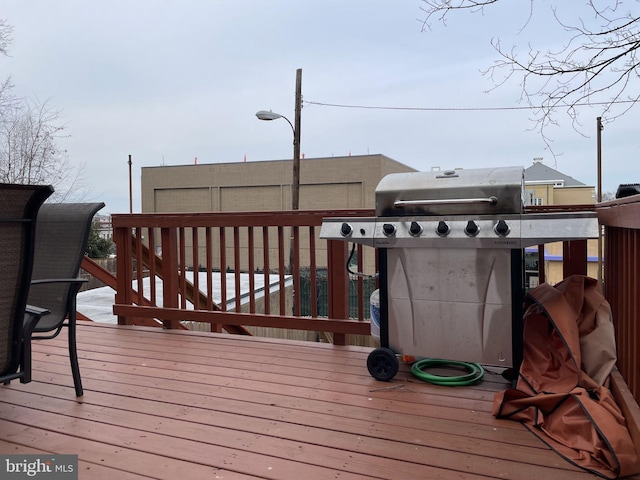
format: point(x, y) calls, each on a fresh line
point(425, 109)
point(463, 109)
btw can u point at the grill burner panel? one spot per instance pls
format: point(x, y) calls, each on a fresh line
point(505, 231)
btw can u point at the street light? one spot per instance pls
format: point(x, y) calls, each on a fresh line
point(269, 115)
point(264, 115)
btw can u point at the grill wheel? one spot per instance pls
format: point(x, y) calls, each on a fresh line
point(383, 364)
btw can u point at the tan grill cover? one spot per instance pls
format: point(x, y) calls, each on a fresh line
point(561, 393)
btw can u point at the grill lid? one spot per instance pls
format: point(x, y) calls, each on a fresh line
point(482, 191)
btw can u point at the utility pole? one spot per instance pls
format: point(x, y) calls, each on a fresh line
point(295, 192)
point(599, 129)
point(130, 188)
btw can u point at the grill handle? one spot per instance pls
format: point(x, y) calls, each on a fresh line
point(492, 200)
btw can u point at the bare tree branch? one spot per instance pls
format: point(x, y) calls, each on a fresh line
point(439, 9)
point(29, 154)
point(5, 36)
point(598, 65)
point(30, 134)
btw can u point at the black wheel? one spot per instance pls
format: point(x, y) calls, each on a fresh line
point(382, 364)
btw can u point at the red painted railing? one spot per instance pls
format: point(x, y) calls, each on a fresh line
point(621, 220)
point(257, 260)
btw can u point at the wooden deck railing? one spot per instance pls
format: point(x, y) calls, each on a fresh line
point(256, 261)
point(621, 220)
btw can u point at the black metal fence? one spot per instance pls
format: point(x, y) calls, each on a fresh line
point(322, 293)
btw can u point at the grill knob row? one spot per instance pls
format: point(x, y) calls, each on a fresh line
point(442, 229)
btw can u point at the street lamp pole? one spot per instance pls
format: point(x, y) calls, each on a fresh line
point(599, 129)
point(295, 127)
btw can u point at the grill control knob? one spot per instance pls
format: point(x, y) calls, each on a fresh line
point(346, 230)
point(442, 229)
point(389, 229)
point(415, 229)
point(472, 228)
point(501, 228)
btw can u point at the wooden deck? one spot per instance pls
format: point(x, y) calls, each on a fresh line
point(191, 405)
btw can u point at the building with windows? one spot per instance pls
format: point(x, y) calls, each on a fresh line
point(103, 224)
point(547, 186)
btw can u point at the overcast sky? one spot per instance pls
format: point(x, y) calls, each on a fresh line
point(168, 81)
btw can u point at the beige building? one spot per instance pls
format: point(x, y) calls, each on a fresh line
point(547, 186)
point(325, 183)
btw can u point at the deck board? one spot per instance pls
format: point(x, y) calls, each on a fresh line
point(165, 404)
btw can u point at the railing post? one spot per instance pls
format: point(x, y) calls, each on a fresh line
point(574, 258)
point(338, 294)
point(169, 239)
point(542, 275)
point(124, 269)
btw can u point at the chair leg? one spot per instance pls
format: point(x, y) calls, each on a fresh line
point(73, 356)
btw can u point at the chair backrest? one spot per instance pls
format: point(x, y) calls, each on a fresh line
point(62, 235)
point(19, 205)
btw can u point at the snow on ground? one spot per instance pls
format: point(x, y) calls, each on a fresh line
point(97, 304)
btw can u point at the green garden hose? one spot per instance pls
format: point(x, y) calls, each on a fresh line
point(474, 374)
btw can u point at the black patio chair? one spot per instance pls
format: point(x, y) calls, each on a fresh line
point(62, 234)
point(19, 205)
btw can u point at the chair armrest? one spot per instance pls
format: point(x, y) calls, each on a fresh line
point(58, 280)
point(31, 316)
point(36, 311)
point(74, 284)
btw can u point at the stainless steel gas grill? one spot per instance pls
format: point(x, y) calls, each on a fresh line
point(450, 247)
